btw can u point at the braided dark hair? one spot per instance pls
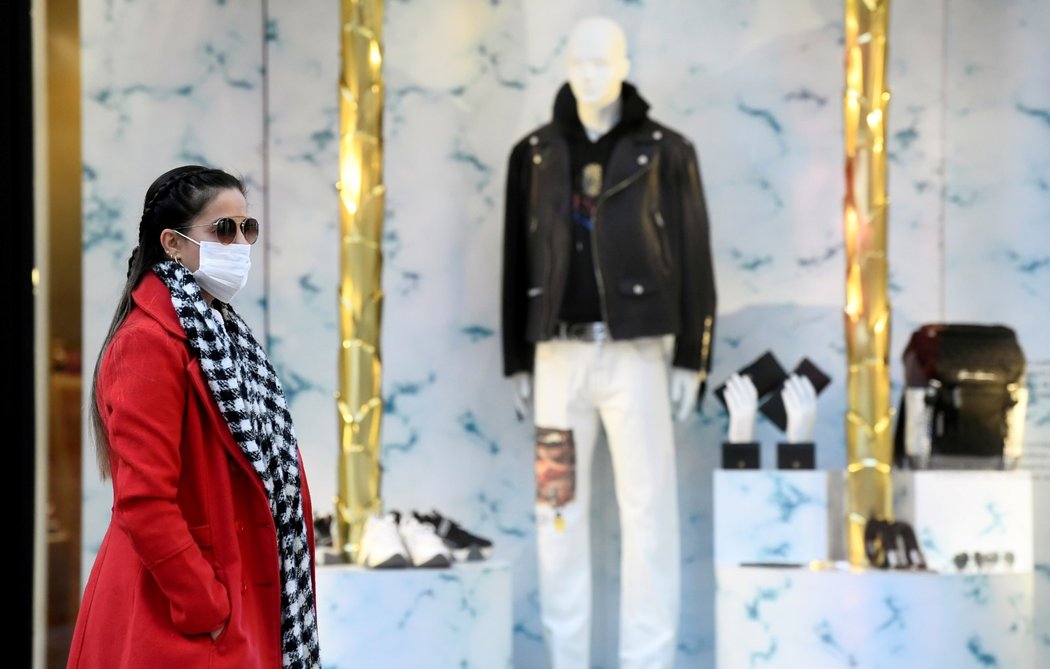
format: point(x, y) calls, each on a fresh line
point(173, 200)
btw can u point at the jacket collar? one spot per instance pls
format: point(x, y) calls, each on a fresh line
point(153, 297)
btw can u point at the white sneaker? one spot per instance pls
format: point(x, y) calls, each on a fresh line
point(381, 544)
point(425, 547)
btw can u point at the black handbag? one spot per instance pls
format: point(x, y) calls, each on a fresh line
point(968, 374)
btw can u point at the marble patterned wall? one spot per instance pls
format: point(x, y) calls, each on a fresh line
point(996, 116)
point(161, 86)
point(254, 93)
point(757, 86)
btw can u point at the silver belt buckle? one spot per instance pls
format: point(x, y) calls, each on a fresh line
point(590, 332)
point(599, 332)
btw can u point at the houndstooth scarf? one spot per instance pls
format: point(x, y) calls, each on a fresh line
point(245, 386)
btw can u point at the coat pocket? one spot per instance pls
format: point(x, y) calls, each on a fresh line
point(555, 467)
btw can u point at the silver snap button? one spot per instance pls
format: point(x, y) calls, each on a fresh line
point(638, 290)
point(534, 140)
point(537, 159)
point(657, 135)
point(643, 159)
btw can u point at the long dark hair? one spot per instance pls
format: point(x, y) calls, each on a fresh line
point(172, 201)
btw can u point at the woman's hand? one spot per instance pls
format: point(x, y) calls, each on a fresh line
point(216, 632)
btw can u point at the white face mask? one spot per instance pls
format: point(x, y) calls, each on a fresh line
point(223, 268)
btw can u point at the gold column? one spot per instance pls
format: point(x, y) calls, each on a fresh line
point(361, 197)
point(867, 312)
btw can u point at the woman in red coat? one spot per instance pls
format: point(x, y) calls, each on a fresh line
point(208, 560)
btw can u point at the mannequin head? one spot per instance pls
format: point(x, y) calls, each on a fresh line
point(598, 63)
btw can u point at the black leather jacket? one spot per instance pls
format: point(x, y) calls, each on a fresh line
point(650, 242)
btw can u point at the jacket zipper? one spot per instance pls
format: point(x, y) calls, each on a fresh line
point(661, 238)
point(623, 184)
point(602, 301)
point(705, 347)
point(548, 272)
point(598, 265)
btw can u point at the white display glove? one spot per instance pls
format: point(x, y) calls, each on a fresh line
point(800, 404)
point(521, 383)
point(1013, 447)
point(685, 383)
point(917, 429)
point(742, 401)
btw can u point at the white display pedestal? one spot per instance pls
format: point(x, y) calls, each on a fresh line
point(772, 612)
point(797, 618)
point(1041, 550)
point(778, 517)
point(966, 512)
point(433, 618)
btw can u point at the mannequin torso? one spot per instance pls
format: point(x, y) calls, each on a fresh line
point(597, 68)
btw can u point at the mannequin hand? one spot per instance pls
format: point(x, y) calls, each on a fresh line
point(1015, 420)
point(742, 401)
point(800, 404)
point(917, 423)
point(522, 386)
point(685, 383)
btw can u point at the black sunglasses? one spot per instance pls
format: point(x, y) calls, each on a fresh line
point(226, 228)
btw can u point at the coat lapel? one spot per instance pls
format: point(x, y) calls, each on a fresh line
point(630, 160)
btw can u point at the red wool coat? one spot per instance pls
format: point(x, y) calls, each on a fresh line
point(191, 543)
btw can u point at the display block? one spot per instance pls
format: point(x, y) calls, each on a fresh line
point(778, 516)
point(434, 618)
point(969, 521)
point(795, 617)
point(1041, 549)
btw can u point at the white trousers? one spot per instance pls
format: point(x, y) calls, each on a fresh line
point(625, 384)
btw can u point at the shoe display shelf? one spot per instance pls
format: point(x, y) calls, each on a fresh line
point(786, 597)
point(459, 616)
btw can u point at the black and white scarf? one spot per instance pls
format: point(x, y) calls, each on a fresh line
point(249, 395)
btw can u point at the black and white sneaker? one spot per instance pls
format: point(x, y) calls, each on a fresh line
point(381, 544)
point(463, 545)
point(425, 548)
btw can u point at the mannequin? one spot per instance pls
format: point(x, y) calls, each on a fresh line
point(608, 315)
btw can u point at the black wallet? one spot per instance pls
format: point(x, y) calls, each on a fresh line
point(773, 408)
point(765, 372)
point(796, 456)
point(740, 455)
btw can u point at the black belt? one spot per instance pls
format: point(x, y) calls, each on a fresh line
point(596, 331)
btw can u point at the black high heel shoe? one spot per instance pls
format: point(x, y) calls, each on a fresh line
point(911, 553)
point(877, 543)
point(892, 545)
